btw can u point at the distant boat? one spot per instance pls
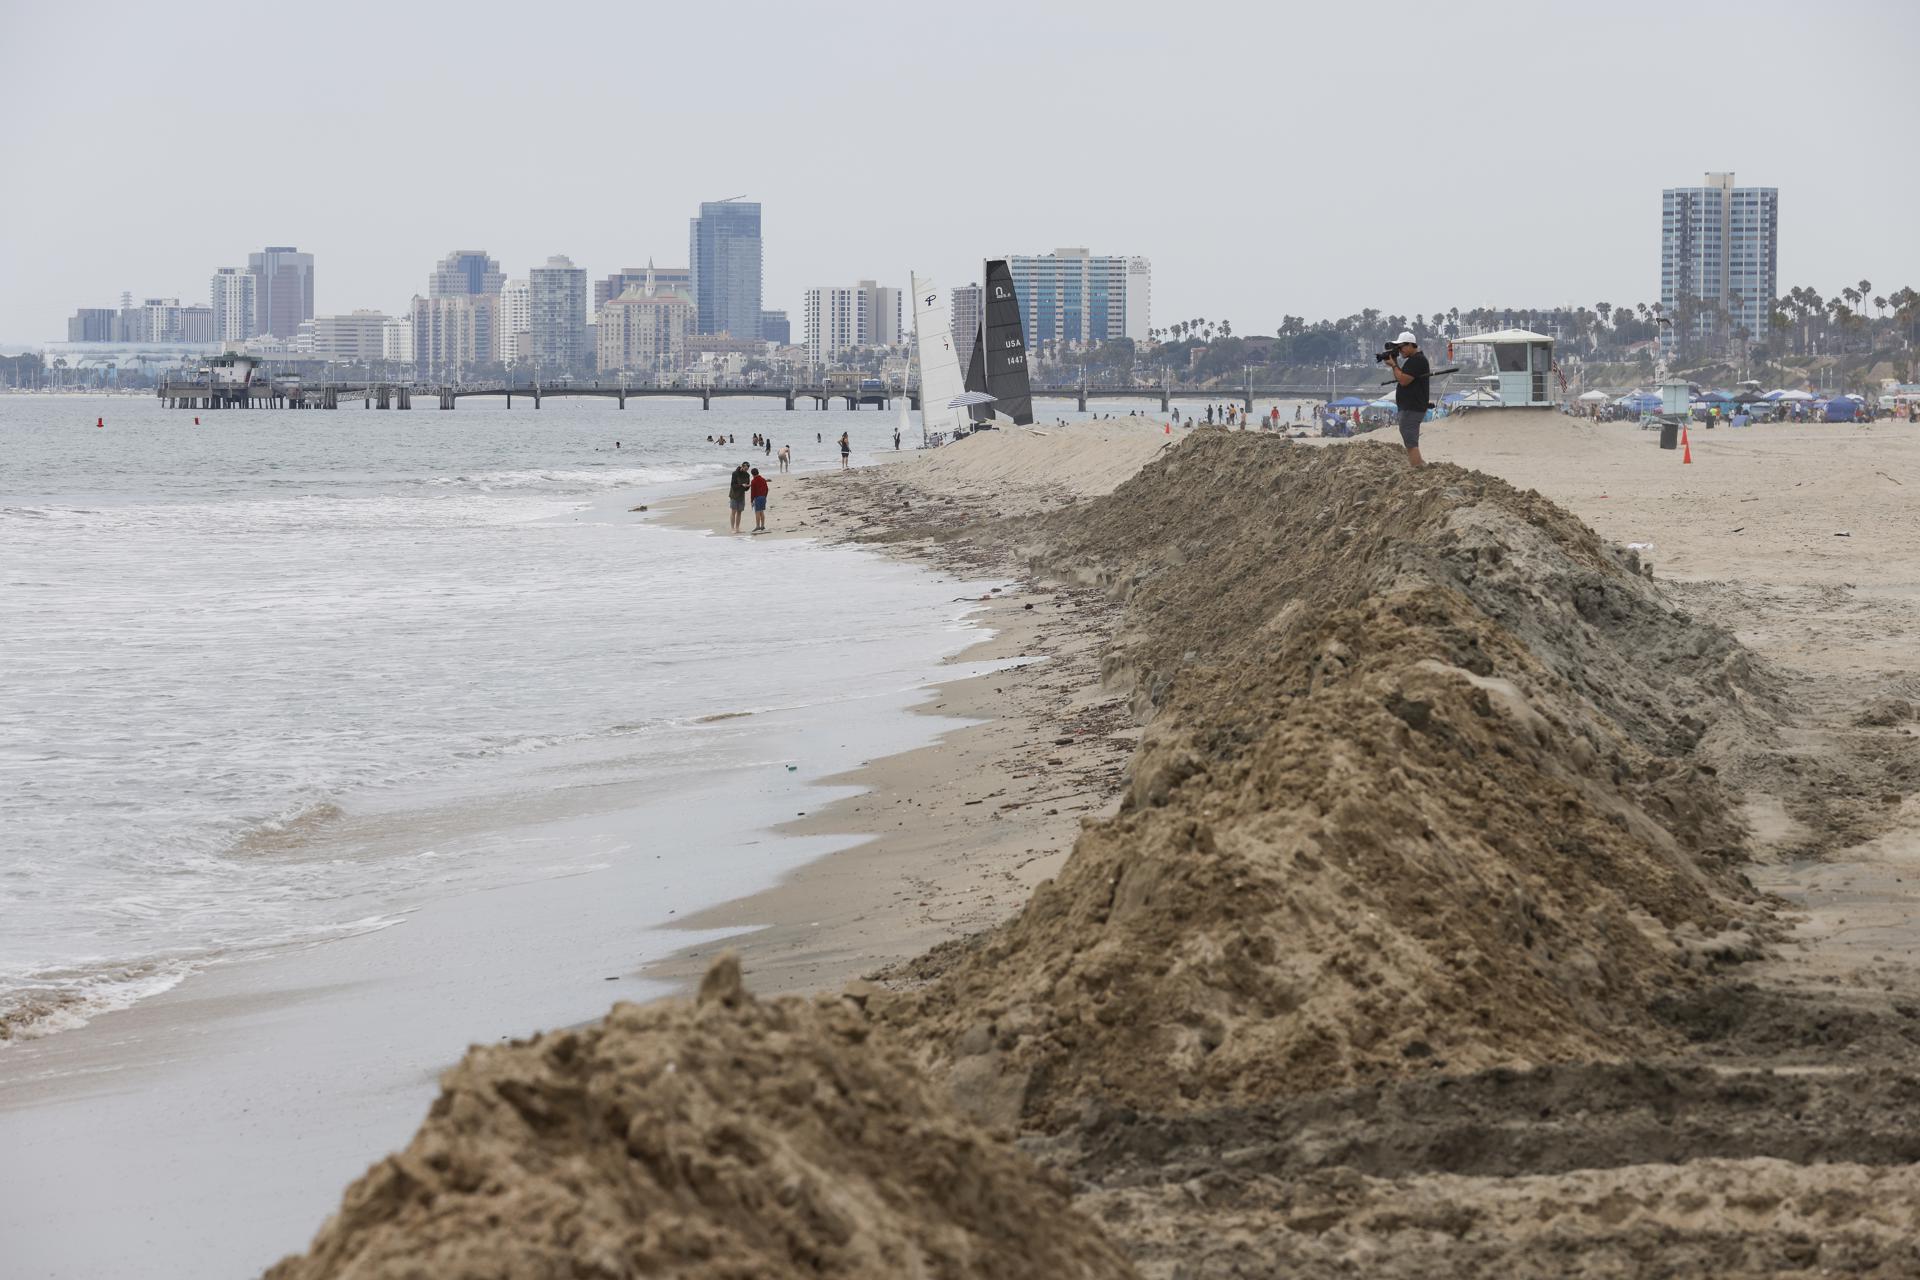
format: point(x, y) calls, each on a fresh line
point(940, 379)
point(999, 363)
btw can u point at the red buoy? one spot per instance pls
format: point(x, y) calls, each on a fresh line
point(99, 422)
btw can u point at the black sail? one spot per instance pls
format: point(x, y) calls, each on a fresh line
point(1005, 348)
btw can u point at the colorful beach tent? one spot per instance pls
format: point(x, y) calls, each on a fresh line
point(1347, 402)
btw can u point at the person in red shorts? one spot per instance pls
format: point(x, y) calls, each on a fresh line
point(757, 488)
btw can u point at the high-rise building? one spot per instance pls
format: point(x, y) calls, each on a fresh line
point(964, 318)
point(465, 273)
point(396, 344)
point(452, 335)
point(235, 318)
point(351, 339)
point(512, 320)
point(155, 320)
point(885, 314)
point(557, 315)
point(196, 325)
point(723, 250)
point(833, 318)
point(1070, 295)
point(282, 289)
point(776, 328)
point(641, 332)
point(1719, 255)
point(92, 324)
point(865, 315)
point(649, 279)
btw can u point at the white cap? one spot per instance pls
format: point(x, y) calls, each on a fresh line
point(1406, 335)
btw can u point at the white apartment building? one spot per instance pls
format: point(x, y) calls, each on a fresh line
point(557, 315)
point(864, 315)
point(351, 339)
point(452, 335)
point(1720, 253)
point(234, 316)
point(1071, 295)
point(396, 346)
point(513, 321)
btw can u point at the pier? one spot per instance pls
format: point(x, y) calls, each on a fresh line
point(204, 395)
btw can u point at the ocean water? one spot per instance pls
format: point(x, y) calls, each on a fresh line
point(281, 676)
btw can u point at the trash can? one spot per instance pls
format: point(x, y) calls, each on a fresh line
point(1669, 434)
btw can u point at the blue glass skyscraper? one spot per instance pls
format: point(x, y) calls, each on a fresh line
point(723, 247)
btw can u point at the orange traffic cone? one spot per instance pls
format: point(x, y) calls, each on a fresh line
point(1686, 450)
point(1169, 428)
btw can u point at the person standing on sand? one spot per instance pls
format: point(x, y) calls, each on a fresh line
point(846, 447)
point(758, 487)
point(896, 439)
point(1410, 397)
point(737, 494)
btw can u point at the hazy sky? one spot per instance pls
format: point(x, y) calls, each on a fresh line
point(1270, 158)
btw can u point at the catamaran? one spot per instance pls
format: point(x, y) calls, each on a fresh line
point(999, 364)
point(940, 380)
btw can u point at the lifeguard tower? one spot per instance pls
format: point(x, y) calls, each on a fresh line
point(1523, 363)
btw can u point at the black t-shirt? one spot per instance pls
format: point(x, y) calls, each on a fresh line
point(741, 479)
point(1414, 394)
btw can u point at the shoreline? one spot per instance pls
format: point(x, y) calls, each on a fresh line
point(1045, 748)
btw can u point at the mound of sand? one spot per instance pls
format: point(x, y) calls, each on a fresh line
point(1086, 458)
point(729, 1138)
point(1420, 789)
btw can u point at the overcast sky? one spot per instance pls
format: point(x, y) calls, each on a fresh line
point(1270, 158)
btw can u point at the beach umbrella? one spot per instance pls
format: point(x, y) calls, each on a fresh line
point(1798, 397)
point(967, 399)
point(1347, 402)
point(1594, 397)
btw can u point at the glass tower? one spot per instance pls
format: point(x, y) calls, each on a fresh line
point(723, 244)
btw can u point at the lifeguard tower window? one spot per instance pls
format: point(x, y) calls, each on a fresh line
point(1510, 357)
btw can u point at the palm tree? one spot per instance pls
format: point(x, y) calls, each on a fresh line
point(1880, 305)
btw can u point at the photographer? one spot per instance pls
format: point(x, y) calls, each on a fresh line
point(1411, 370)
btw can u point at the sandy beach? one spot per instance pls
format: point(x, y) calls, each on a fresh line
point(1353, 870)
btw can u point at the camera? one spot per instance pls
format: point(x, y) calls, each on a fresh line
point(1386, 355)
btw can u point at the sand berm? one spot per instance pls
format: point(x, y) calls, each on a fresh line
point(1426, 808)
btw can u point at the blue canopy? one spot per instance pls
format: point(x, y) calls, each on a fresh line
point(1347, 402)
point(1644, 400)
point(1722, 396)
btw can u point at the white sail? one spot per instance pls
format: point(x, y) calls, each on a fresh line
point(940, 376)
point(905, 423)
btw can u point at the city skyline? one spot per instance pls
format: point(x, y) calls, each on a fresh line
point(1381, 191)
